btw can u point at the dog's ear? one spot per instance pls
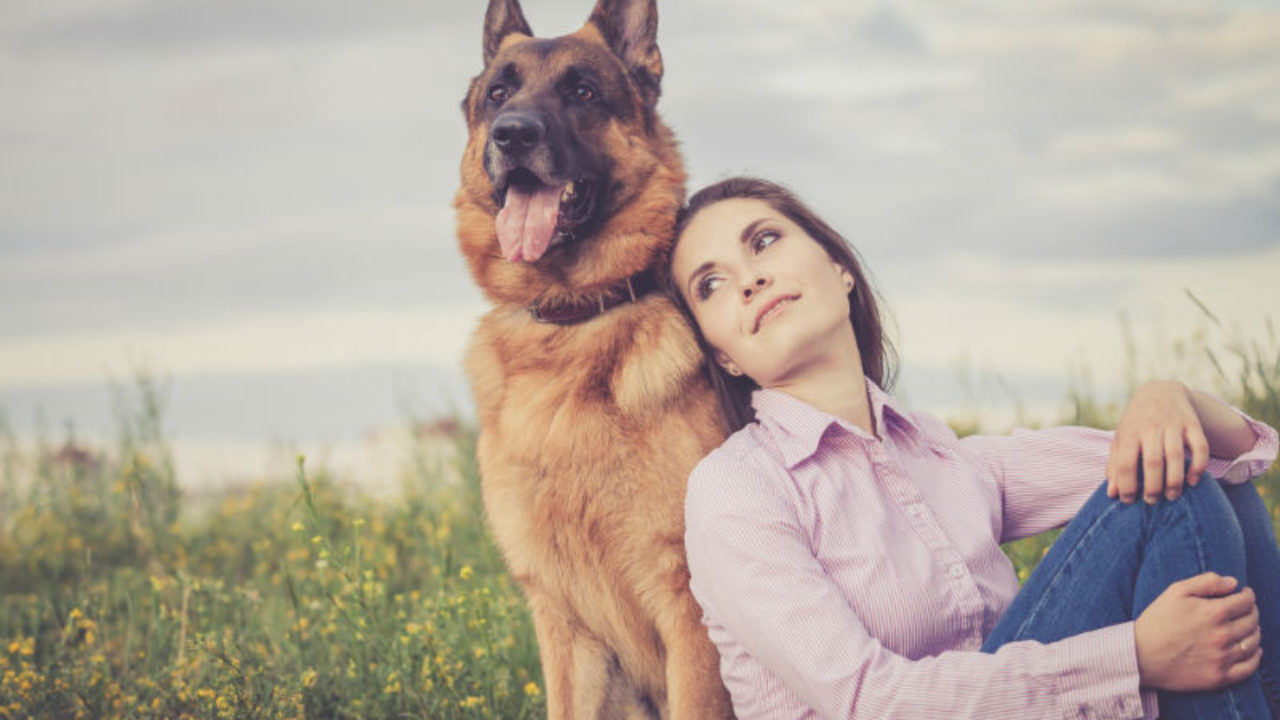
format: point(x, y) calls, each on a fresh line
point(503, 18)
point(630, 27)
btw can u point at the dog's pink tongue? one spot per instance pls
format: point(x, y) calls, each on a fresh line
point(527, 222)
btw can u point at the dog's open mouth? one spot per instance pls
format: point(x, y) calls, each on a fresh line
point(536, 215)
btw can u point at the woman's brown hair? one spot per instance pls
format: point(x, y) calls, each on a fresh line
point(878, 356)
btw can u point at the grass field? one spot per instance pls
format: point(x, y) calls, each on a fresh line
point(284, 600)
point(120, 597)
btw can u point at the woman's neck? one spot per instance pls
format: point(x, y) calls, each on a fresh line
point(838, 389)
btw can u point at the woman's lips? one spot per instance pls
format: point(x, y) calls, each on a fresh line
point(771, 309)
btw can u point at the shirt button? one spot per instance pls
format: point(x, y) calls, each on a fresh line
point(915, 510)
point(957, 571)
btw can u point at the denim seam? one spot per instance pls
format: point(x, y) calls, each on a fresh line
point(1044, 596)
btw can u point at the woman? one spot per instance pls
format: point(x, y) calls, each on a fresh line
point(846, 552)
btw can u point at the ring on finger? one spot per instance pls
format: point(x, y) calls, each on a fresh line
point(1244, 646)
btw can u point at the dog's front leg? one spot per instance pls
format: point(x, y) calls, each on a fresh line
point(694, 688)
point(575, 666)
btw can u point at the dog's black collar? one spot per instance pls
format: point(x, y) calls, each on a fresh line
point(559, 312)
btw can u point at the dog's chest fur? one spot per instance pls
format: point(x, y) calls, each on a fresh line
point(583, 422)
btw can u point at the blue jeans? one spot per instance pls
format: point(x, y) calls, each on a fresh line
point(1114, 559)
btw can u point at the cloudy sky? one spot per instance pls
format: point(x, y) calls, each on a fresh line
point(252, 197)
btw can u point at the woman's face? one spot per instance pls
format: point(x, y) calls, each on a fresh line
point(767, 297)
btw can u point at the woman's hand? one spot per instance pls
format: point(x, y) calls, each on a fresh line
point(1159, 424)
point(1198, 635)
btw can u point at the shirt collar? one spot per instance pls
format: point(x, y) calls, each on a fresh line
point(799, 428)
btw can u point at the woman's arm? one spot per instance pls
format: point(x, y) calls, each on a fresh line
point(1162, 422)
point(1046, 475)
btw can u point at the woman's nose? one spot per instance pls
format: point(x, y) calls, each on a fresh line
point(755, 284)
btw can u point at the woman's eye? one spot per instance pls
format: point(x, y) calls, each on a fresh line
point(707, 285)
point(764, 239)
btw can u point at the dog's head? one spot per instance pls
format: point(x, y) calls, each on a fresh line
point(569, 177)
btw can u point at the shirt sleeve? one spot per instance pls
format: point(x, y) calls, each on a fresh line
point(765, 594)
point(1045, 476)
point(1254, 462)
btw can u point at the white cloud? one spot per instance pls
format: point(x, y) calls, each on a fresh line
point(1102, 145)
point(27, 17)
point(1247, 87)
point(1040, 320)
point(263, 343)
point(165, 252)
point(1196, 175)
point(847, 81)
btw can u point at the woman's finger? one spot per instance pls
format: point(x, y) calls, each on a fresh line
point(1198, 444)
point(1250, 645)
point(1209, 585)
point(1152, 467)
point(1244, 668)
point(1240, 607)
point(1110, 473)
point(1242, 632)
point(1173, 457)
point(1122, 467)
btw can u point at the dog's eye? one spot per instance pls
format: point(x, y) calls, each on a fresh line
point(499, 93)
point(584, 92)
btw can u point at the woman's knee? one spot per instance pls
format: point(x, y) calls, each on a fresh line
point(1206, 498)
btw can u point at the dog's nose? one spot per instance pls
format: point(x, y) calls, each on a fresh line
point(517, 132)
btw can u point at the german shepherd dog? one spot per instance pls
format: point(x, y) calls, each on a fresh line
point(588, 383)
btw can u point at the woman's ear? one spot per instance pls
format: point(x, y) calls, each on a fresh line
point(727, 363)
point(847, 277)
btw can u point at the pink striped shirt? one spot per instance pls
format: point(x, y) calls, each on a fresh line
point(843, 576)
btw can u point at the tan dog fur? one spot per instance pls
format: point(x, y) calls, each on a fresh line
point(588, 431)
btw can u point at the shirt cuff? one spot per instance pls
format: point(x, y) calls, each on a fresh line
point(1098, 675)
point(1256, 461)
